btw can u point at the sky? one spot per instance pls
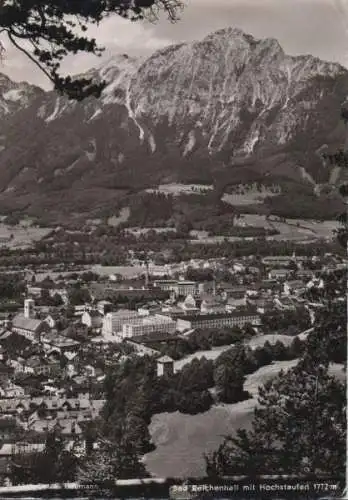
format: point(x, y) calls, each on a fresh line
point(317, 27)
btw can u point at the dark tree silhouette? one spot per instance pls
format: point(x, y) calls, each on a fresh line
point(49, 30)
point(340, 159)
point(298, 428)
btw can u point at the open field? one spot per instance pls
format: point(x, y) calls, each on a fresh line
point(179, 189)
point(290, 228)
point(181, 440)
point(21, 235)
point(249, 197)
point(266, 373)
point(123, 216)
point(128, 272)
point(138, 231)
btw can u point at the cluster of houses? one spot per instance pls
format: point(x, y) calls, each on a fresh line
point(52, 365)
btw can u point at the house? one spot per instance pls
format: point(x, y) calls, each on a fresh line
point(189, 304)
point(8, 428)
point(13, 391)
point(165, 366)
point(284, 304)
point(34, 291)
point(238, 267)
point(19, 366)
point(262, 304)
point(211, 305)
point(92, 319)
point(291, 287)
point(44, 366)
point(282, 260)
point(5, 373)
point(14, 406)
point(52, 318)
point(80, 309)
point(61, 292)
point(237, 299)
point(54, 342)
point(281, 273)
point(104, 306)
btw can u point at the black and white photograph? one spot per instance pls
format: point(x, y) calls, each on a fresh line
point(173, 249)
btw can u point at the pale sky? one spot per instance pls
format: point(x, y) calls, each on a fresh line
point(317, 27)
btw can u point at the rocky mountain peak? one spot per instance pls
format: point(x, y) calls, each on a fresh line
point(179, 114)
point(15, 96)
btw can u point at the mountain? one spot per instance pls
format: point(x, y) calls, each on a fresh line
point(225, 109)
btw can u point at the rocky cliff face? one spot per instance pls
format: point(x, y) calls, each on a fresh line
point(185, 113)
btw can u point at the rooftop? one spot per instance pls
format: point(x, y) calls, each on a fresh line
point(234, 314)
point(21, 322)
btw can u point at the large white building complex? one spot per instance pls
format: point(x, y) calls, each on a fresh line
point(114, 321)
point(126, 324)
point(149, 325)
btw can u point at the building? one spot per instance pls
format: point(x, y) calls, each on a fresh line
point(181, 288)
point(283, 260)
point(104, 307)
point(189, 304)
point(215, 321)
point(294, 287)
point(165, 366)
point(114, 321)
point(236, 299)
point(211, 305)
point(34, 291)
point(113, 291)
point(165, 285)
point(262, 304)
point(281, 274)
point(149, 325)
point(185, 288)
point(156, 270)
point(92, 319)
point(55, 342)
point(29, 308)
point(28, 326)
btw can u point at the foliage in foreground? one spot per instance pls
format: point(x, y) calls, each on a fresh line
point(53, 29)
point(299, 425)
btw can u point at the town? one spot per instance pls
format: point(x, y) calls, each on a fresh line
point(62, 333)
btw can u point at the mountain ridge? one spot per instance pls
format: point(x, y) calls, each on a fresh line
point(189, 111)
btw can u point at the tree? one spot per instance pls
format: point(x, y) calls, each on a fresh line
point(46, 31)
point(52, 465)
point(229, 375)
point(340, 159)
point(299, 428)
point(79, 295)
point(112, 461)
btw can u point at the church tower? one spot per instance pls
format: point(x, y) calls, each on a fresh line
point(29, 305)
